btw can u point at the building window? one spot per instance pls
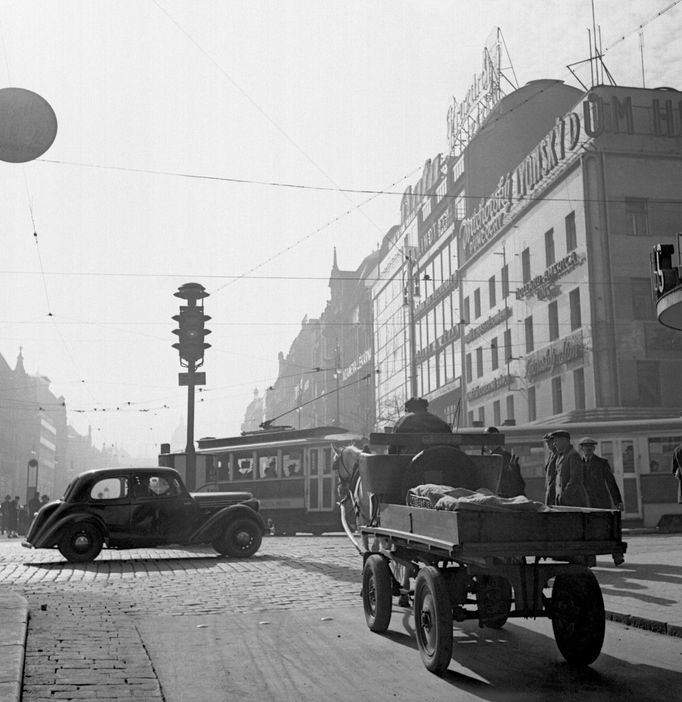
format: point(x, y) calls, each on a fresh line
point(494, 358)
point(505, 282)
point(642, 299)
point(529, 334)
point(557, 400)
point(460, 206)
point(549, 248)
point(470, 416)
point(553, 318)
point(571, 236)
point(481, 416)
point(510, 407)
point(477, 303)
point(574, 302)
point(497, 414)
point(467, 363)
point(637, 216)
point(525, 265)
point(507, 346)
point(479, 361)
point(579, 388)
point(648, 383)
point(467, 311)
point(532, 407)
point(491, 292)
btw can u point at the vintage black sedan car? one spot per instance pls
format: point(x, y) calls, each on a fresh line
point(142, 507)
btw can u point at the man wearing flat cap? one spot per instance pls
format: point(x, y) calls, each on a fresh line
point(570, 490)
point(600, 484)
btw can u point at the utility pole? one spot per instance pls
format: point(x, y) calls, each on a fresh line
point(409, 293)
point(191, 347)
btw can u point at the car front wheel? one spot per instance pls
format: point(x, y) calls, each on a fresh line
point(240, 539)
point(80, 542)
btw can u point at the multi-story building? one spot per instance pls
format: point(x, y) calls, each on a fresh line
point(326, 378)
point(38, 450)
point(558, 257)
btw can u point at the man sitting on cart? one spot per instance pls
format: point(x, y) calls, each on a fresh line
point(418, 420)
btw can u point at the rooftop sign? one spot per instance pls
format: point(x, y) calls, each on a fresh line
point(466, 117)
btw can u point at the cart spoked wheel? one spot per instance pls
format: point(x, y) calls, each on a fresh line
point(577, 613)
point(494, 599)
point(433, 619)
point(377, 593)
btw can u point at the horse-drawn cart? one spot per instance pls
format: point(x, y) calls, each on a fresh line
point(488, 559)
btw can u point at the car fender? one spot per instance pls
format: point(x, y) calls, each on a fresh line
point(49, 535)
point(217, 522)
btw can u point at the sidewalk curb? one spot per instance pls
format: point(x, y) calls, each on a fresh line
point(644, 623)
point(14, 616)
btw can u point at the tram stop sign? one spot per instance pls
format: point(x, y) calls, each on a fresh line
point(28, 125)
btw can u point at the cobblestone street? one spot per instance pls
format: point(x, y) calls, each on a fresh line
point(88, 622)
point(82, 633)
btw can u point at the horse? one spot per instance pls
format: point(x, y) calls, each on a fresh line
point(353, 498)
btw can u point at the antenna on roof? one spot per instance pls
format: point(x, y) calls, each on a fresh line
point(596, 60)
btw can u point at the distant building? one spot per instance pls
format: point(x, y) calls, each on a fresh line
point(33, 428)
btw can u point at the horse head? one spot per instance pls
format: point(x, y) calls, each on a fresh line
point(346, 463)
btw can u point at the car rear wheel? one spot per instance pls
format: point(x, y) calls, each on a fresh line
point(240, 539)
point(81, 542)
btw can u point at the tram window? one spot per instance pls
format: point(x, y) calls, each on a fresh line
point(661, 453)
point(606, 451)
point(267, 466)
point(223, 469)
point(243, 467)
point(628, 457)
point(292, 464)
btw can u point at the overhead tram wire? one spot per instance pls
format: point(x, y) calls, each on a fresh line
point(374, 192)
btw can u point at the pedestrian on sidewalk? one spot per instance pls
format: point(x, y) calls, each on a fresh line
point(570, 487)
point(600, 484)
point(5, 510)
point(12, 525)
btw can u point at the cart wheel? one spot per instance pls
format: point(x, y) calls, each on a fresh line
point(433, 619)
point(577, 612)
point(494, 598)
point(377, 591)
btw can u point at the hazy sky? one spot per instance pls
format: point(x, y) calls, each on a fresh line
point(163, 105)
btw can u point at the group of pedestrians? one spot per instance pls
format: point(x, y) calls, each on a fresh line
point(15, 517)
point(578, 481)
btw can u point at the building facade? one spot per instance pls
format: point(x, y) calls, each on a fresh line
point(38, 449)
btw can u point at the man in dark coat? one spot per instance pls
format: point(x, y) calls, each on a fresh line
point(511, 481)
point(418, 420)
point(600, 484)
point(570, 488)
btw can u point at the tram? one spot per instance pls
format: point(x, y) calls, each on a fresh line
point(639, 452)
point(288, 470)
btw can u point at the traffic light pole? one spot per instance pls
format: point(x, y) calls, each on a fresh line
point(191, 347)
point(190, 453)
